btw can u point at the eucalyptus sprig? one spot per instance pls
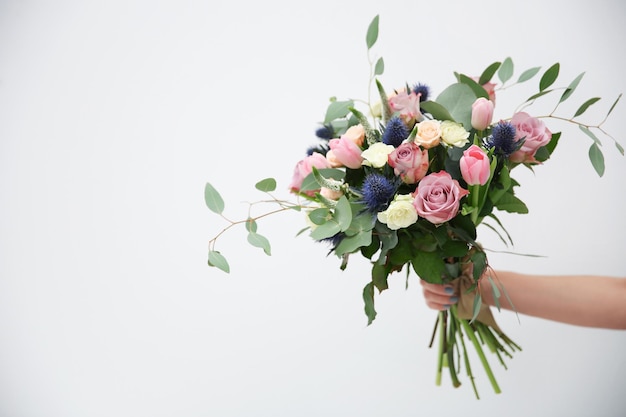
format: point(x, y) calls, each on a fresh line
point(215, 203)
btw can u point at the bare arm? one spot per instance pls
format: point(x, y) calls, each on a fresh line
point(583, 300)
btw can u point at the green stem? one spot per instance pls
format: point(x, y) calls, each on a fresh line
point(442, 331)
point(475, 192)
point(481, 354)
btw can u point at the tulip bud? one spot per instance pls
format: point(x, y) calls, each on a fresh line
point(482, 113)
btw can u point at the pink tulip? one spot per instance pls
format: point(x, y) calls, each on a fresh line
point(482, 113)
point(475, 166)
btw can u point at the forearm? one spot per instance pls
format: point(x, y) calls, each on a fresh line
point(583, 300)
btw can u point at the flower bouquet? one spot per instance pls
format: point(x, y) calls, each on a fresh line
point(406, 181)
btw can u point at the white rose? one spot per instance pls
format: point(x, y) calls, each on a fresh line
point(454, 134)
point(376, 155)
point(400, 213)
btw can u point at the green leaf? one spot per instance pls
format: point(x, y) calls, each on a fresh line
point(372, 32)
point(343, 213)
point(251, 225)
point(549, 77)
point(213, 199)
point(506, 70)
point(583, 108)
point(259, 241)
point(597, 159)
point(509, 203)
point(479, 259)
point(310, 183)
point(542, 93)
point(476, 88)
point(337, 110)
point(429, 266)
point(488, 73)
point(613, 106)
point(319, 216)
point(350, 244)
point(379, 277)
point(570, 89)
point(379, 68)
point(589, 133)
point(217, 260)
point(495, 291)
point(436, 110)
point(326, 230)
point(267, 185)
point(477, 304)
point(458, 99)
point(528, 74)
point(368, 298)
point(619, 147)
point(386, 109)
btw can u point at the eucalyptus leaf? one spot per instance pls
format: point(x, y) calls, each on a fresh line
point(613, 106)
point(319, 216)
point(267, 185)
point(589, 133)
point(251, 225)
point(436, 110)
point(310, 183)
point(571, 88)
point(528, 74)
point(326, 230)
point(372, 32)
point(488, 73)
point(597, 159)
point(458, 99)
point(213, 199)
point(343, 213)
point(478, 89)
point(379, 68)
point(259, 241)
point(350, 244)
point(619, 147)
point(583, 108)
point(539, 94)
point(337, 110)
point(549, 77)
point(217, 260)
point(505, 72)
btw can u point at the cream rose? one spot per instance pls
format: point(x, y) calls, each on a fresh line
point(376, 155)
point(400, 213)
point(428, 133)
point(454, 134)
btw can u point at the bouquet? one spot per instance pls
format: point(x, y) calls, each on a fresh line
point(406, 181)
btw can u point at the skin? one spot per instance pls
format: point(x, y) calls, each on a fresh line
point(581, 300)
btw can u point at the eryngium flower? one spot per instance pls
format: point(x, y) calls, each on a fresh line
point(503, 139)
point(325, 132)
point(423, 90)
point(377, 191)
point(395, 132)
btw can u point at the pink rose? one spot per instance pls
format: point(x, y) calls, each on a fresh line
point(345, 152)
point(475, 166)
point(482, 113)
point(408, 105)
point(409, 162)
point(535, 134)
point(438, 196)
point(304, 168)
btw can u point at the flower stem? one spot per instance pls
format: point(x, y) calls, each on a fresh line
point(481, 354)
point(442, 332)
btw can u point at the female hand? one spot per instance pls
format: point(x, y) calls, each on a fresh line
point(439, 296)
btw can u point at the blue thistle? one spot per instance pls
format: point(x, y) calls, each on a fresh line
point(395, 132)
point(503, 139)
point(377, 191)
point(325, 132)
point(423, 90)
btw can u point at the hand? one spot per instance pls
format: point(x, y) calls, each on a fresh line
point(439, 296)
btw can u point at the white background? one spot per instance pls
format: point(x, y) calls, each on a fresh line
point(114, 114)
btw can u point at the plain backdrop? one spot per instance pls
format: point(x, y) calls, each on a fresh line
point(114, 115)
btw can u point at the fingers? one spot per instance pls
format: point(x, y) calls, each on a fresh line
point(437, 296)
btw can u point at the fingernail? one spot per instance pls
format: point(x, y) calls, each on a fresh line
point(446, 306)
point(454, 299)
point(448, 289)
